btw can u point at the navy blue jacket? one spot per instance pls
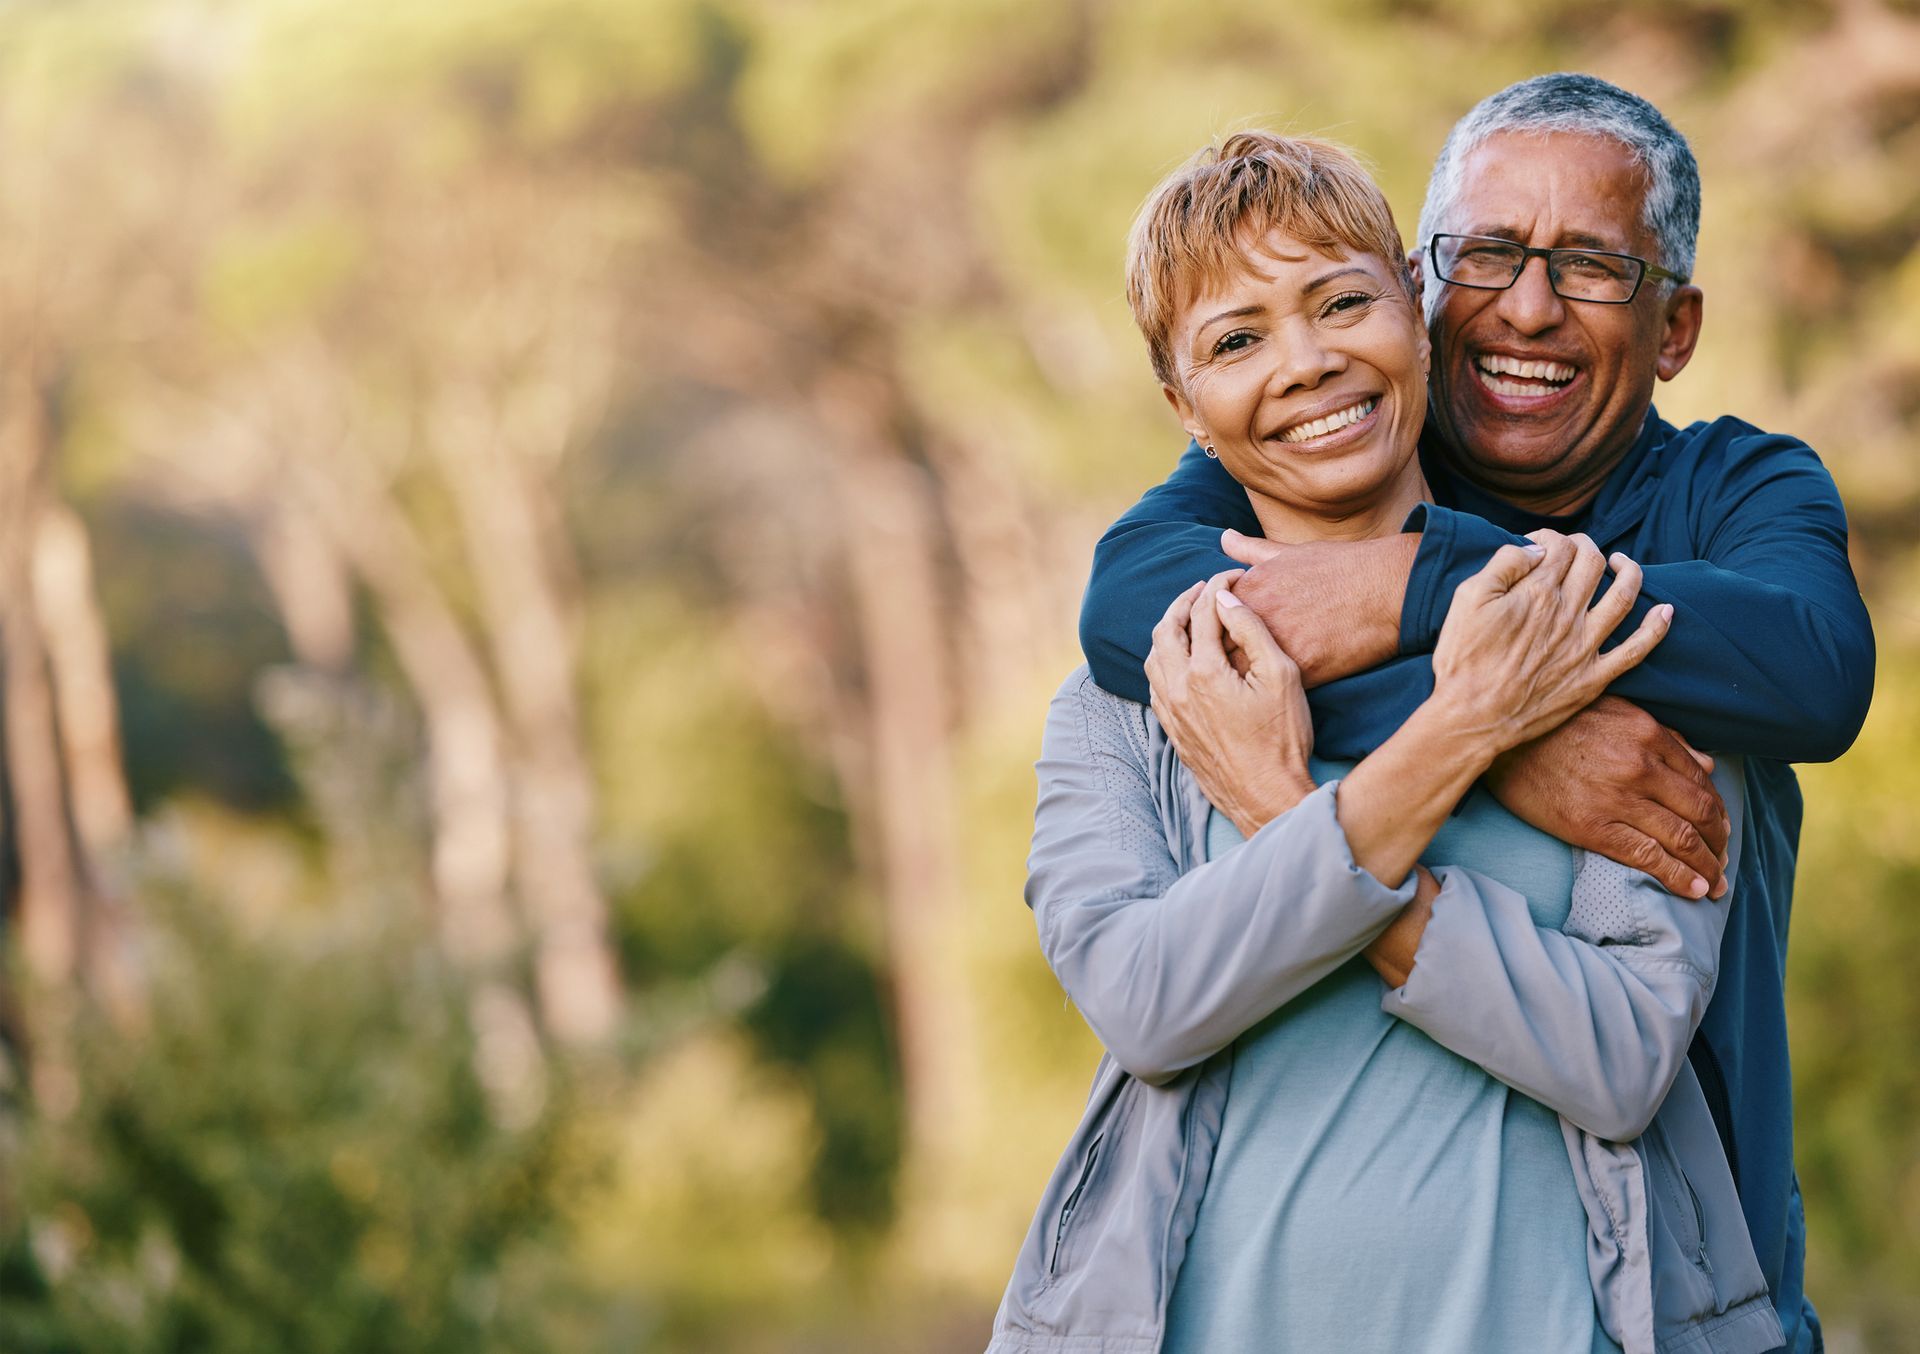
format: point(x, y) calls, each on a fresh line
point(1770, 656)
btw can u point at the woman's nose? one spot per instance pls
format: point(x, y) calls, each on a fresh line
point(1303, 359)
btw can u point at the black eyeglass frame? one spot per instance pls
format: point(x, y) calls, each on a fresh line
point(1528, 253)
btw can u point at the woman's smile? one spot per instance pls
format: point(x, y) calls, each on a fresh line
point(1350, 420)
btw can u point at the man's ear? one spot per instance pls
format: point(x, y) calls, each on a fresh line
point(1683, 318)
point(1419, 276)
point(1183, 410)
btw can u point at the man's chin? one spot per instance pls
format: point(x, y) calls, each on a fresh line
point(1514, 453)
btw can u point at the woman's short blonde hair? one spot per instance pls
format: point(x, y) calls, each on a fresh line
point(1195, 228)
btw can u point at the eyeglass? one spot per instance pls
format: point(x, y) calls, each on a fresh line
point(1577, 274)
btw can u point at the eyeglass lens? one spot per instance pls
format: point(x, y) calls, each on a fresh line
point(1573, 273)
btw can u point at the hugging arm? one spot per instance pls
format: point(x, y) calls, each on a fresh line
point(1171, 538)
point(1773, 656)
point(1773, 652)
point(1593, 1021)
point(1169, 967)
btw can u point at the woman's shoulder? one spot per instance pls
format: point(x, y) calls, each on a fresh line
point(1085, 712)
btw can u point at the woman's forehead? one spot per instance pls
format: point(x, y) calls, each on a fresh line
point(1272, 258)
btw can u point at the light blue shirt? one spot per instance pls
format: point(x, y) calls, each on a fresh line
point(1372, 1191)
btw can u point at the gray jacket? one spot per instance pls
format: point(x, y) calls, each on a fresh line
point(1171, 957)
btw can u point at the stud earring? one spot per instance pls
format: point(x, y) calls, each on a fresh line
point(1210, 451)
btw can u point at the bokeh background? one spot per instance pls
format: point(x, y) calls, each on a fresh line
point(535, 537)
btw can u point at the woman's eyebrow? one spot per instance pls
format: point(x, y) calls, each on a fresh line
point(1326, 278)
point(1237, 313)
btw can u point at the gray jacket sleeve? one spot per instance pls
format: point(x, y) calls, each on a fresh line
point(1592, 1021)
point(1170, 967)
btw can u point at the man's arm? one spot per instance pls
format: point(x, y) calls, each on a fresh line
point(1771, 655)
point(1772, 651)
point(1160, 547)
point(1335, 608)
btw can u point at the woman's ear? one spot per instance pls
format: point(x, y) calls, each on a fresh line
point(1183, 410)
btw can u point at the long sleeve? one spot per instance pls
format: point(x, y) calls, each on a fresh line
point(1166, 542)
point(1170, 967)
point(1771, 652)
point(1593, 1022)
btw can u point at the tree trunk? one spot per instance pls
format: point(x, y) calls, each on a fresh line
point(516, 550)
point(51, 875)
point(80, 660)
point(466, 767)
point(892, 529)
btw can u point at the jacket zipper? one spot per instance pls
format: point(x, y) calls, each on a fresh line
point(1073, 1201)
point(1699, 1225)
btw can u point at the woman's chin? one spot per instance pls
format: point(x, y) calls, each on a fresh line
point(1338, 487)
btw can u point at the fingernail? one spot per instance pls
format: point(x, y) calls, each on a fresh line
point(1532, 548)
point(1698, 888)
point(1720, 889)
point(1666, 611)
point(1227, 599)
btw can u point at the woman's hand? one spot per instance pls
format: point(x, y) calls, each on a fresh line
point(1520, 650)
point(1232, 702)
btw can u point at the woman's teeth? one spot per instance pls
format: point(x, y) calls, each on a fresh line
point(1531, 376)
point(1320, 427)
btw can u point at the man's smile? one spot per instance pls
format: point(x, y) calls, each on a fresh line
point(1523, 383)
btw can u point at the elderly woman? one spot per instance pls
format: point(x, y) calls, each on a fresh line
point(1279, 1153)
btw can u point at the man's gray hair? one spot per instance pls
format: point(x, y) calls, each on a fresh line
point(1587, 105)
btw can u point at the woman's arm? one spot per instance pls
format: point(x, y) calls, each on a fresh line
point(1594, 1022)
point(1519, 653)
point(1169, 968)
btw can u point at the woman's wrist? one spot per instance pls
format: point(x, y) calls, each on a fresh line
point(1468, 726)
point(1255, 806)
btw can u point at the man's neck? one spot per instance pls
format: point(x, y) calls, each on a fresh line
point(1559, 500)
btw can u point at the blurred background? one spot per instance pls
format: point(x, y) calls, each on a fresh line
point(535, 539)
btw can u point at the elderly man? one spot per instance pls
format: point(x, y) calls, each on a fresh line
point(1554, 252)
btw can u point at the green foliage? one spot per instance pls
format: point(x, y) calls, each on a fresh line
point(294, 1155)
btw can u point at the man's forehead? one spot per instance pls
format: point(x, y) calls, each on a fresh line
point(1579, 189)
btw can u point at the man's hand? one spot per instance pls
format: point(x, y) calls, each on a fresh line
point(1333, 605)
point(1616, 781)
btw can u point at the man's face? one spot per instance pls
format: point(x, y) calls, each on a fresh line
point(1546, 436)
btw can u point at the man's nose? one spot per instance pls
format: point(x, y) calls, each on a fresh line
point(1531, 305)
point(1304, 360)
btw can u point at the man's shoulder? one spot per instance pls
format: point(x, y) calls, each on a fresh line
point(1731, 438)
point(1728, 456)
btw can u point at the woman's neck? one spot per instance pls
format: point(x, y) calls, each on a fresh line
point(1382, 515)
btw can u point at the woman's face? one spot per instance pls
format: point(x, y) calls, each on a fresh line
point(1306, 372)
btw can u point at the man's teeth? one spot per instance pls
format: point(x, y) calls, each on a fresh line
point(1320, 427)
point(1493, 366)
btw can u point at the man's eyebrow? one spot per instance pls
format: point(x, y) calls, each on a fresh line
point(1574, 239)
point(1587, 240)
